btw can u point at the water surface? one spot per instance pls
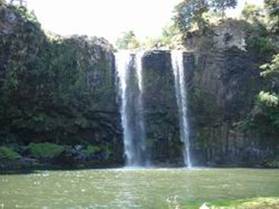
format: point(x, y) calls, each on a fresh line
point(134, 188)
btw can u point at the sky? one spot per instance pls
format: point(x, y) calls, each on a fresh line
point(108, 18)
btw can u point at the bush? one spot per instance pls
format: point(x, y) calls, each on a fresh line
point(260, 45)
point(271, 162)
point(8, 154)
point(91, 150)
point(45, 150)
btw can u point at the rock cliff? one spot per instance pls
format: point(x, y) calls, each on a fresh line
point(63, 91)
point(57, 90)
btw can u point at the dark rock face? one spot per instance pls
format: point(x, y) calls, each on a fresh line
point(222, 82)
point(222, 91)
point(222, 85)
point(161, 112)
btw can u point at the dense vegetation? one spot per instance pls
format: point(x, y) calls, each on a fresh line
point(127, 41)
point(58, 94)
point(265, 115)
point(261, 43)
point(50, 87)
point(190, 12)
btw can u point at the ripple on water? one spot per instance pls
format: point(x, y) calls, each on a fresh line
point(134, 188)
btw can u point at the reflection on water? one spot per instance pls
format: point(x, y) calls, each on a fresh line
point(133, 188)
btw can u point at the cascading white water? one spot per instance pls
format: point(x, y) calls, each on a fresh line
point(129, 72)
point(181, 98)
point(122, 61)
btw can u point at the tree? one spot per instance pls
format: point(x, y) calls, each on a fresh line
point(272, 7)
point(222, 5)
point(271, 70)
point(252, 13)
point(128, 40)
point(266, 112)
point(19, 2)
point(171, 36)
point(267, 103)
point(190, 12)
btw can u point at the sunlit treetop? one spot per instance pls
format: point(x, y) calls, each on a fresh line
point(190, 12)
point(272, 7)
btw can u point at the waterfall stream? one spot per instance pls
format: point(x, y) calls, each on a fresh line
point(131, 89)
point(129, 72)
point(181, 98)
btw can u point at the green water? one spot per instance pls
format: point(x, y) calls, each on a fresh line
point(146, 188)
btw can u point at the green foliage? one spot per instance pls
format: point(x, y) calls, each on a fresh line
point(272, 7)
point(271, 73)
point(45, 150)
point(8, 154)
point(252, 13)
point(272, 163)
point(152, 43)
point(170, 38)
point(26, 14)
point(268, 99)
point(260, 45)
point(259, 40)
point(222, 5)
point(190, 12)
point(268, 102)
point(271, 69)
point(128, 40)
point(265, 116)
point(267, 105)
point(53, 89)
point(91, 150)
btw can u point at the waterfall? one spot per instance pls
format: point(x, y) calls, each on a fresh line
point(129, 72)
point(181, 98)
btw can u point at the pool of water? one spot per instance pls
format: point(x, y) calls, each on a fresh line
point(134, 188)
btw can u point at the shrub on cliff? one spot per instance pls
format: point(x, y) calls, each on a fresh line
point(45, 150)
point(90, 151)
point(268, 100)
point(7, 153)
point(265, 115)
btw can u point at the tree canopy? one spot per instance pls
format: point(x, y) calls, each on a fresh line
point(252, 12)
point(272, 7)
point(190, 12)
point(268, 99)
point(128, 40)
